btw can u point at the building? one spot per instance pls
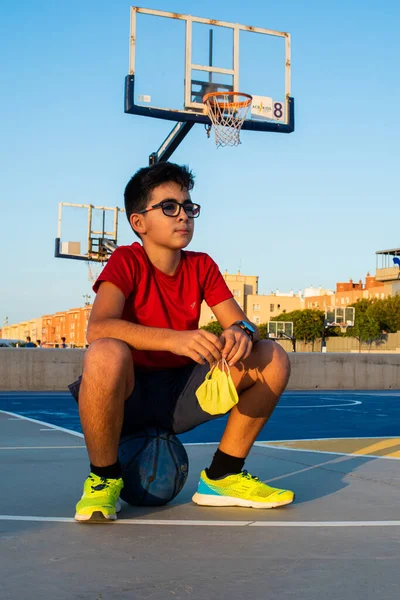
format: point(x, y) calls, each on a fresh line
point(258, 308)
point(71, 324)
point(20, 331)
point(348, 293)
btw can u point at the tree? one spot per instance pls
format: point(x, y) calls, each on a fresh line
point(387, 312)
point(263, 329)
point(367, 327)
point(213, 327)
point(307, 324)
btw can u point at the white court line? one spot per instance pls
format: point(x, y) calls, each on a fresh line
point(266, 444)
point(191, 523)
point(47, 429)
point(48, 425)
point(349, 403)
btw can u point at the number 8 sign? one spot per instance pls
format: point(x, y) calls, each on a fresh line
point(267, 108)
point(278, 111)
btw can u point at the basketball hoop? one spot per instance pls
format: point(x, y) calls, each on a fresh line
point(94, 270)
point(227, 112)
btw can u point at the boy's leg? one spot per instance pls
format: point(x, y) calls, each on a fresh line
point(107, 381)
point(260, 381)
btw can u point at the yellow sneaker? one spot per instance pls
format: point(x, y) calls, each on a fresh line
point(242, 489)
point(100, 500)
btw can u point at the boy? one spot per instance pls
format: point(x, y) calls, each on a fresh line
point(147, 356)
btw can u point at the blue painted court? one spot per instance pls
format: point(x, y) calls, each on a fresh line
point(299, 415)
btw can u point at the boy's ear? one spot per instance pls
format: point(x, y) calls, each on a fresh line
point(137, 223)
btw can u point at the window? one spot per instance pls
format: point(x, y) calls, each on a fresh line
point(271, 308)
point(257, 320)
point(279, 306)
point(256, 307)
point(236, 292)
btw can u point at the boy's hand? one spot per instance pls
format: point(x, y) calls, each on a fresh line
point(237, 345)
point(199, 345)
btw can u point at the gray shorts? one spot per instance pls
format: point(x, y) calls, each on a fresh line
point(165, 399)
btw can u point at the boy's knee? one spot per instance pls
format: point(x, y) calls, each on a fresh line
point(271, 357)
point(108, 353)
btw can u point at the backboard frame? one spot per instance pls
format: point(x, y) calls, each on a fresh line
point(283, 330)
point(101, 244)
point(335, 316)
point(193, 112)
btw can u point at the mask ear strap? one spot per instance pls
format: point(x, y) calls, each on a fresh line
point(225, 365)
point(212, 368)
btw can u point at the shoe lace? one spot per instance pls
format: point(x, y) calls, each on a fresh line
point(247, 475)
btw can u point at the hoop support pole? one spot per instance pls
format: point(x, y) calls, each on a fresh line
point(171, 142)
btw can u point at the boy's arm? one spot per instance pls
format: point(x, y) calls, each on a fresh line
point(237, 344)
point(228, 312)
point(106, 322)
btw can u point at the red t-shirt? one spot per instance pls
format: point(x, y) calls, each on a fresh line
point(155, 299)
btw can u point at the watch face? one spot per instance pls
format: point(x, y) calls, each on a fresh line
point(249, 326)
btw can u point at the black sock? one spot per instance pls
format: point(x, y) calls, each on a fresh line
point(110, 472)
point(224, 464)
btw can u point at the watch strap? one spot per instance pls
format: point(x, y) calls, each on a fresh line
point(242, 325)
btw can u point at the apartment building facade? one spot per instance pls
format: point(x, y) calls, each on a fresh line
point(260, 308)
point(349, 292)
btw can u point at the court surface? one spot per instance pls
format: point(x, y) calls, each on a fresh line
point(340, 538)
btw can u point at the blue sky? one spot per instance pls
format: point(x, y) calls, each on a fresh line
point(310, 208)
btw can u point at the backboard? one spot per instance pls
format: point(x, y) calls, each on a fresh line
point(86, 232)
point(176, 59)
point(340, 316)
point(280, 329)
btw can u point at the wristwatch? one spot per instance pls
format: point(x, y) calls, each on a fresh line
point(247, 328)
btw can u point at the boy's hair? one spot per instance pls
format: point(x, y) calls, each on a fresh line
point(144, 181)
point(28, 339)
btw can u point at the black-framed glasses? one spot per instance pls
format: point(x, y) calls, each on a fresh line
point(172, 208)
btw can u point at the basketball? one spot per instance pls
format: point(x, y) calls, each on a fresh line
point(154, 465)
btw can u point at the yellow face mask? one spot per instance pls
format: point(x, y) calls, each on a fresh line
point(217, 394)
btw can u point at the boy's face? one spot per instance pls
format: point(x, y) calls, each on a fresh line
point(156, 227)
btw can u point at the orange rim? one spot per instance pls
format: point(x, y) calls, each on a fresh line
point(215, 96)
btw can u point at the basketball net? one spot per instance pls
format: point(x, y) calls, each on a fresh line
point(94, 270)
point(227, 112)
